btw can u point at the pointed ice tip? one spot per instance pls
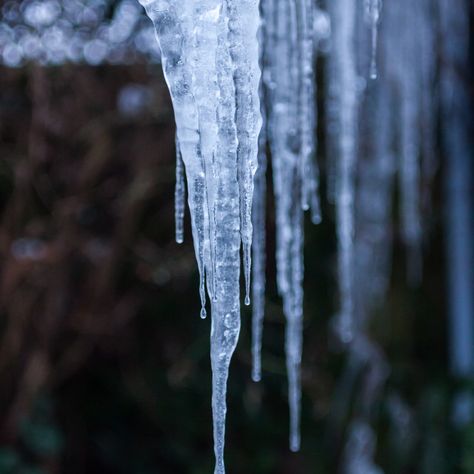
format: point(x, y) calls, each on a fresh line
point(256, 376)
point(247, 300)
point(203, 313)
point(373, 71)
point(316, 219)
point(179, 240)
point(294, 445)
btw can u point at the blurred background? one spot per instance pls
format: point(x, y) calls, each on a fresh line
point(104, 361)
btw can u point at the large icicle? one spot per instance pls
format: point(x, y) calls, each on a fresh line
point(226, 305)
point(210, 60)
point(234, 195)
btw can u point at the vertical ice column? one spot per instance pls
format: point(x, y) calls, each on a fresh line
point(372, 13)
point(173, 26)
point(202, 60)
point(259, 259)
point(410, 87)
point(244, 22)
point(429, 100)
point(344, 14)
point(259, 229)
point(210, 61)
point(289, 86)
point(179, 196)
point(457, 131)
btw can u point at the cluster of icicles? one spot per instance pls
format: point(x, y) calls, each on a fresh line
point(228, 114)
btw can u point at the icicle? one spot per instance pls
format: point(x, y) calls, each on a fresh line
point(210, 60)
point(202, 54)
point(344, 67)
point(238, 28)
point(179, 196)
point(429, 101)
point(289, 27)
point(226, 305)
point(359, 451)
point(258, 268)
point(258, 223)
point(171, 23)
point(372, 12)
point(307, 114)
point(458, 146)
point(243, 27)
point(294, 328)
point(410, 143)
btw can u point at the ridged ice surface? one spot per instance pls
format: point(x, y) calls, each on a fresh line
point(211, 64)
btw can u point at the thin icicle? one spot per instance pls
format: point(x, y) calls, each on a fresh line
point(410, 166)
point(344, 14)
point(307, 113)
point(179, 196)
point(259, 259)
point(259, 228)
point(292, 140)
point(244, 21)
point(294, 328)
point(373, 10)
point(205, 91)
point(429, 102)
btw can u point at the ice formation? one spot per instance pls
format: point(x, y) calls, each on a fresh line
point(289, 83)
point(211, 64)
point(458, 148)
point(379, 138)
point(380, 143)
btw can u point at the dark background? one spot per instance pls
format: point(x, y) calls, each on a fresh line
point(104, 361)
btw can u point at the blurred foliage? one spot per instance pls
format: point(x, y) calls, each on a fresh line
point(104, 361)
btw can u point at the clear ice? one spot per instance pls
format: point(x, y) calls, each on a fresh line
point(211, 64)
